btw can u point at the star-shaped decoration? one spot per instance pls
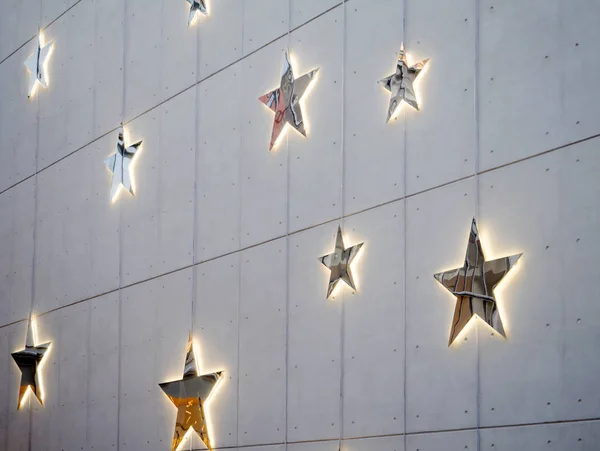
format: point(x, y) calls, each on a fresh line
point(189, 396)
point(285, 101)
point(119, 164)
point(473, 285)
point(401, 83)
point(339, 263)
point(28, 360)
point(196, 7)
point(36, 64)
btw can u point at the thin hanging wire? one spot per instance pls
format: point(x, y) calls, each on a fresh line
point(477, 195)
point(120, 296)
point(342, 200)
point(35, 215)
point(196, 170)
point(239, 254)
point(194, 288)
point(287, 255)
point(404, 242)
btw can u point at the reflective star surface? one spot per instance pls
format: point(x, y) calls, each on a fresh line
point(119, 163)
point(473, 285)
point(339, 263)
point(196, 7)
point(189, 396)
point(36, 64)
point(401, 84)
point(28, 360)
point(285, 101)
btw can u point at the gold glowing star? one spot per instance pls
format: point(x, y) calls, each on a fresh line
point(339, 263)
point(119, 164)
point(285, 101)
point(28, 360)
point(36, 64)
point(473, 285)
point(196, 7)
point(189, 396)
point(401, 83)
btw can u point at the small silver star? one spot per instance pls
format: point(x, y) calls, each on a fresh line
point(196, 7)
point(28, 361)
point(285, 101)
point(401, 83)
point(118, 163)
point(36, 64)
point(339, 263)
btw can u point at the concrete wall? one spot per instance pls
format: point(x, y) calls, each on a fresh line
point(508, 132)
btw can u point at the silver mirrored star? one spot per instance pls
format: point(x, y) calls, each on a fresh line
point(401, 83)
point(473, 285)
point(196, 7)
point(189, 395)
point(28, 360)
point(285, 101)
point(339, 263)
point(36, 64)
point(119, 164)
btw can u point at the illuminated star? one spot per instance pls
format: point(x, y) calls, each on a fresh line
point(196, 7)
point(473, 285)
point(285, 101)
point(189, 396)
point(401, 84)
point(118, 163)
point(36, 64)
point(339, 263)
point(28, 360)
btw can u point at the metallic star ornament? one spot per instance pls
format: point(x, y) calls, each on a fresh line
point(285, 101)
point(196, 7)
point(401, 84)
point(119, 164)
point(36, 64)
point(473, 285)
point(28, 360)
point(339, 263)
point(189, 396)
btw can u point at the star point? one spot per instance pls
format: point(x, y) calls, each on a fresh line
point(189, 395)
point(473, 286)
point(36, 64)
point(339, 263)
point(28, 360)
point(401, 83)
point(119, 164)
point(285, 101)
point(196, 7)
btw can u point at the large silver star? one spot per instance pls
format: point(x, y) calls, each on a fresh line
point(36, 64)
point(118, 163)
point(196, 7)
point(189, 396)
point(473, 285)
point(339, 263)
point(401, 83)
point(28, 360)
point(285, 101)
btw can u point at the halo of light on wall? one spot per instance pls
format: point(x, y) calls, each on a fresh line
point(37, 64)
point(401, 83)
point(190, 395)
point(285, 101)
point(473, 285)
point(29, 362)
point(119, 164)
point(339, 263)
